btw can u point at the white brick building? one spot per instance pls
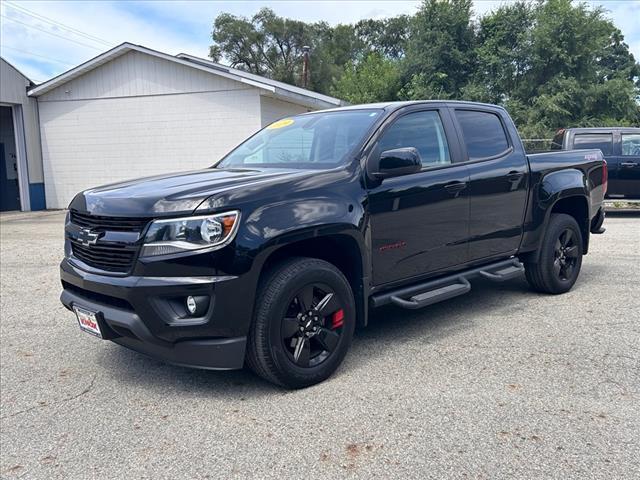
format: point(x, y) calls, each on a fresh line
point(133, 112)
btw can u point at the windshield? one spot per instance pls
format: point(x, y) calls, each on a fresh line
point(318, 140)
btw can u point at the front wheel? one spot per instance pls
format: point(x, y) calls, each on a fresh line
point(303, 323)
point(560, 256)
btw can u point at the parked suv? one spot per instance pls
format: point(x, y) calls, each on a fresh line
point(272, 256)
point(621, 150)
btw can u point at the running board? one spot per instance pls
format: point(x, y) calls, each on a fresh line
point(427, 293)
point(433, 296)
point(504, 274)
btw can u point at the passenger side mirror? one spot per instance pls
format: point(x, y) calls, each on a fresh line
point(399, 161)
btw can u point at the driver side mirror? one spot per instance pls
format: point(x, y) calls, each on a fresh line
point(397, 162)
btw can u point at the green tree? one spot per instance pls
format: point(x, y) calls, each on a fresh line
point(333, 50)
point(272, 46)
point(387, 37)
point(551, 63)
point(374, 79)
point(555, 64)
point(440, 50)
point(503, 53)
point(265, 45)
point(617, 61)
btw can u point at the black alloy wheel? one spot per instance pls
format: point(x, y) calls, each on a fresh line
point(304, 319)
point(559, 259)
point(313, 324)
point(566, 253)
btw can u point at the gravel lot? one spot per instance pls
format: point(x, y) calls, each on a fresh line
point(499, 383)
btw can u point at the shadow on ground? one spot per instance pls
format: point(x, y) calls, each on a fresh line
point(389, 328)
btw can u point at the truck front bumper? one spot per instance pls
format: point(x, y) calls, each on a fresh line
point(144, 314)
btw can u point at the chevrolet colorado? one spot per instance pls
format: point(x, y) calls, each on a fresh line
point(272, 256)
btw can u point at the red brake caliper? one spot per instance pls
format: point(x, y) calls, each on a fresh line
point(337, 319)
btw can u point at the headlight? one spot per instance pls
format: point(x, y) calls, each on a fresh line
point(176, 235)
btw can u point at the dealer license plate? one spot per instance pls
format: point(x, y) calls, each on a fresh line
point(88, 321)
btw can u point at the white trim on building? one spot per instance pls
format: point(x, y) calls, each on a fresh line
point(278, 89)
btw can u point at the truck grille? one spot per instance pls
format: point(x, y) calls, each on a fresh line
point(106, 255)
point(112, 259)
point(114, 224)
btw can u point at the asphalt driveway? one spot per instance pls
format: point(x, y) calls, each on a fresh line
point(500, 383)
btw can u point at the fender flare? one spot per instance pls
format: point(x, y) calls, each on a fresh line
point(555, 187)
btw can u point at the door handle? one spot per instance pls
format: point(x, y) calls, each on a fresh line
point(455, 187)
point(629, 164)
point(513, 176)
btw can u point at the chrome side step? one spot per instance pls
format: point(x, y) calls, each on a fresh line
point(427, 293)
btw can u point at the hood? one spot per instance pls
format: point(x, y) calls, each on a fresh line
point(172, 194)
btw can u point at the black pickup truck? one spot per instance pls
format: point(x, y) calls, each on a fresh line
point(620, 147)
point(271, 257)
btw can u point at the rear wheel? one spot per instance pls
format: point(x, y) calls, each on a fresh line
point(303, 323)
point(560, 257)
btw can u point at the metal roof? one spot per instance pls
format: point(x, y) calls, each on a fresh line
point(17, 70)
point(279, 89)
point(257, 78)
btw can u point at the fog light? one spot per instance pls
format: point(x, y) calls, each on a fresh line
point(192, 306)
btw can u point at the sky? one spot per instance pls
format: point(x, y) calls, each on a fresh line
point(45, 38)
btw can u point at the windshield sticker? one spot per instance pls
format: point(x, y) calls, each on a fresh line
point(285, 122)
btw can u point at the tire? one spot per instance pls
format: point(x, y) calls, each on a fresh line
point(277, 349)
point(597, 225)
point(560, 257)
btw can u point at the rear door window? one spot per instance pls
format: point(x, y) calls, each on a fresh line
point(483, 134)
point(602, 141)
point(424, 132)
point(631, 144)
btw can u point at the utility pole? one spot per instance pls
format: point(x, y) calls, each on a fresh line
point(305, 66)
